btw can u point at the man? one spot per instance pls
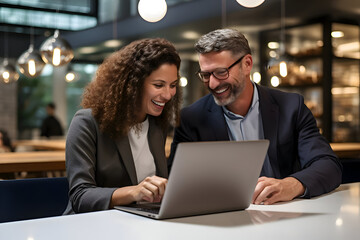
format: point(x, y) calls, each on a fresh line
point(299, 162)
point(51, 126)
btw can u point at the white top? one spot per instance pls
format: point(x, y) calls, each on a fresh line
point(331, 216)
point(143, 159)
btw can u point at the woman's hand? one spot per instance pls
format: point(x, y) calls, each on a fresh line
point(151, 189)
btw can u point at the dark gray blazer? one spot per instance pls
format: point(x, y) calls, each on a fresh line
point(296, 148)
point(97, 165)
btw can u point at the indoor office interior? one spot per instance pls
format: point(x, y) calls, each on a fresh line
point(318, 42)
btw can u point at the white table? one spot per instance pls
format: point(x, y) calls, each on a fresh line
point(331, 216)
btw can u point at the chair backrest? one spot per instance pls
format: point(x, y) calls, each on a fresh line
point(23, 199)
point(351, 170)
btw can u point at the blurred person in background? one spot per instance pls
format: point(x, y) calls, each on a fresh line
point(51, 126)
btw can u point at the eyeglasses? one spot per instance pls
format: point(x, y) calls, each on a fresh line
point(218, 73)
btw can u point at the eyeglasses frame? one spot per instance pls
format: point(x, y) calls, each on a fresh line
point(212, 73)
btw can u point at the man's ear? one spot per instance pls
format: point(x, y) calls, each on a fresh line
point(248, 62)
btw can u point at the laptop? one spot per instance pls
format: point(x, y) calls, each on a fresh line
point(208, 177)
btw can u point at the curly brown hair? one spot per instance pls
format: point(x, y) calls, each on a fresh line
point(116, 93)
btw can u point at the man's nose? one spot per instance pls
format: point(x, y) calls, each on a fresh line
point(213, 82)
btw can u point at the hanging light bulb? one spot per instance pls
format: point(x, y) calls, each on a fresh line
point(256, 77)
point(250, 3)
point(278, 64)
point(283, 68)
point(8, 72)
point(69, 77)
point(56, 50)
point(152, 10)
point(275, 81)
point(30, 63)
point(282, 65)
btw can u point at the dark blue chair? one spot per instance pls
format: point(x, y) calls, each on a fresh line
point(24, 199)
point(351, 170)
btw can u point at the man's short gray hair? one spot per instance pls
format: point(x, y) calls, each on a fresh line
point(223, 39)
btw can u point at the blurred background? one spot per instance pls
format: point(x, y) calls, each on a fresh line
point(319, 41)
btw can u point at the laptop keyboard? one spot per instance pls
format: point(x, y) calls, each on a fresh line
point(148, 207)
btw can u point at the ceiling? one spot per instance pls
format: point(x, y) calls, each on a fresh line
point(193, 18)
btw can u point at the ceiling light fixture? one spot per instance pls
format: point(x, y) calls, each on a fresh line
point(8, 72)
point(113, 43)
point(282, 64)
point(337, 34)
point(183, 81)
point(30, 62)
point(279, 64)
point(56, 50)
point(87, 50)
point(152, 10)
point(250, 3)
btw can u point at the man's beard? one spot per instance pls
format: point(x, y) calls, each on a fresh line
point(235, 91)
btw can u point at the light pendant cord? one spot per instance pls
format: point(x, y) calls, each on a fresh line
point(6, 44)
point(282, 28)
point(223, 13)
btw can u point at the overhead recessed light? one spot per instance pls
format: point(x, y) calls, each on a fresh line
point(191, 35)
point(86, 50)
point(114, 43)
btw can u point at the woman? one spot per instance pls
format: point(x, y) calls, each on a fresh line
point(115, 145)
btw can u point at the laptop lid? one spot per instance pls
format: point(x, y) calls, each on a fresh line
point(210, 177)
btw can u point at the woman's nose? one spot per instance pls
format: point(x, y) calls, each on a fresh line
point(166, 94)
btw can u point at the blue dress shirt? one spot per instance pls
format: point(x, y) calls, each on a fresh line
point(248, 127)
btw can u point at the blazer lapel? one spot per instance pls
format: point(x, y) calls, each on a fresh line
point(156, 139)
point(270, 120)
point(124, 149)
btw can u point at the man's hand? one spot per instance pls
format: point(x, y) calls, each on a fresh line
point(271, 190)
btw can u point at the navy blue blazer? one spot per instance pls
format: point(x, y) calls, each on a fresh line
point(297, 149)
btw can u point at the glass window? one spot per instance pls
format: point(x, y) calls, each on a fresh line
point(46, 19)
point(33, 96)
point(304, 67)
point(345, 88)
point(83, 74)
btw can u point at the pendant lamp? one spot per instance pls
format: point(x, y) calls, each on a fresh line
point(282, 60)
point(8, 72)
point(250, 3)
point(152, 10)
point(30, 62)
point(56, 50)
point(279, 65)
